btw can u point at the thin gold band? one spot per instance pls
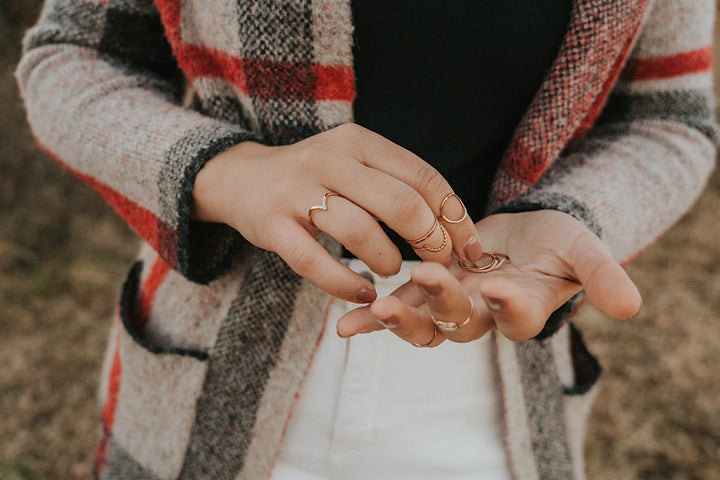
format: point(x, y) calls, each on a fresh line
point(442, 207)
point(435, 332)
point(427, 247)
point(454, 325)
point(426, 236)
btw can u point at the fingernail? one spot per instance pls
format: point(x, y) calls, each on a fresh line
point(473, 249)
point(391, 322)
point(494, 303)
point(431, 290)
point(366, 295)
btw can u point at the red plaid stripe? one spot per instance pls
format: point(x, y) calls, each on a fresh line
point(670, 66)
point(268, 79)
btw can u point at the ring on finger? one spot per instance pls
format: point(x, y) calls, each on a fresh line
point(427, 247)
point(454, 325)
point(435, 332)
point(321, 208)
point(442, 207)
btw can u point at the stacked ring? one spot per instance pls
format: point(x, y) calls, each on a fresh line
point(496, 261)
point(427, 235)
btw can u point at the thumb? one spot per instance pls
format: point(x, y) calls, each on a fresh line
point(606, 283)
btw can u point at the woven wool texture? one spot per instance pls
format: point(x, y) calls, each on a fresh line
point(212, 337)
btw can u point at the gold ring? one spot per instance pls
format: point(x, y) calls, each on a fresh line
point(453, 325)
point(427, 235)
point(496, 261)
point(436, 249)
point(442, 206)
point(321, 208)
point(435, 332)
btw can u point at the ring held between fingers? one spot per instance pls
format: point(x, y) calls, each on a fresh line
point(429, 343)
point(452, 326)
point(414, 325)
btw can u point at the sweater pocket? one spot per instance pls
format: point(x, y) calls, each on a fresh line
point(152, 391)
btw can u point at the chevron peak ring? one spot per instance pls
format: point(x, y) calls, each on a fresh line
point(321, 208)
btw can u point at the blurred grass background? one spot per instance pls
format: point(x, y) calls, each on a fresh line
point(63, 254)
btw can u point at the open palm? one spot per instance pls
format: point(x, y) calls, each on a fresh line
point(553, 256)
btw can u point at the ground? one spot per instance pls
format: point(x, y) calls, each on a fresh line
point(63, 254)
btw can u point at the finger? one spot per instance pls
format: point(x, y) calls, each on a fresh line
point(517, 314)
point(607, 284)
point(361, 320)
point(429, 183)
point(358, 231)
point(396, 204)
point(449, 303)
point(358, 320)
point(414, 325)
point(454, 217)
point(310, 260)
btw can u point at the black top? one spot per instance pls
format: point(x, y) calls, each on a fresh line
point(450, 81)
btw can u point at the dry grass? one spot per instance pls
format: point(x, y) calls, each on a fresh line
point(63, 253)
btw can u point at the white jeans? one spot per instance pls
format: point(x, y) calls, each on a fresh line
point(374, 407)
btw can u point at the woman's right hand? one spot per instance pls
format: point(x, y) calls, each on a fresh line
point(265, 194)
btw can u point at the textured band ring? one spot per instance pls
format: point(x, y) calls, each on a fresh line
point(321, 208)
point(442, 207)
point(435, 332)
point(426, 236)
point(496, 261)
point(454, 325)
point(442, 245)
point(435, 224)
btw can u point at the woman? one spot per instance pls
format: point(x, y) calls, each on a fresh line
point(214, 337)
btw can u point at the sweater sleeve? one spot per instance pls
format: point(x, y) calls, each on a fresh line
point(652, 150)
point(103, 97)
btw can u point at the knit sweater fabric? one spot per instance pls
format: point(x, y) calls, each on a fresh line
point(212, 336)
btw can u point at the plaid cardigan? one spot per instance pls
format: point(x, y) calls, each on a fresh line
point(212, 337)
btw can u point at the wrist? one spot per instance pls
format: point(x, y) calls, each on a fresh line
point(215, 181)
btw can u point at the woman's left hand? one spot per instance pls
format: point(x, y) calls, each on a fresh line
point(553, 256)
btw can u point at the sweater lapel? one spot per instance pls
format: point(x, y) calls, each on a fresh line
point(599, 39)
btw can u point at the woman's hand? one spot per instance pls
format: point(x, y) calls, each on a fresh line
point(265, 193)
point(553, 256)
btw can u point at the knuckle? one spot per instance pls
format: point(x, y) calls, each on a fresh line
point(301, 261)
point(310, 155)
point(524, 332)
point(514, 335)
point(407, 204)
point(429, 180)
point(347, 130)
point(463, 339)
point(358, 237)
